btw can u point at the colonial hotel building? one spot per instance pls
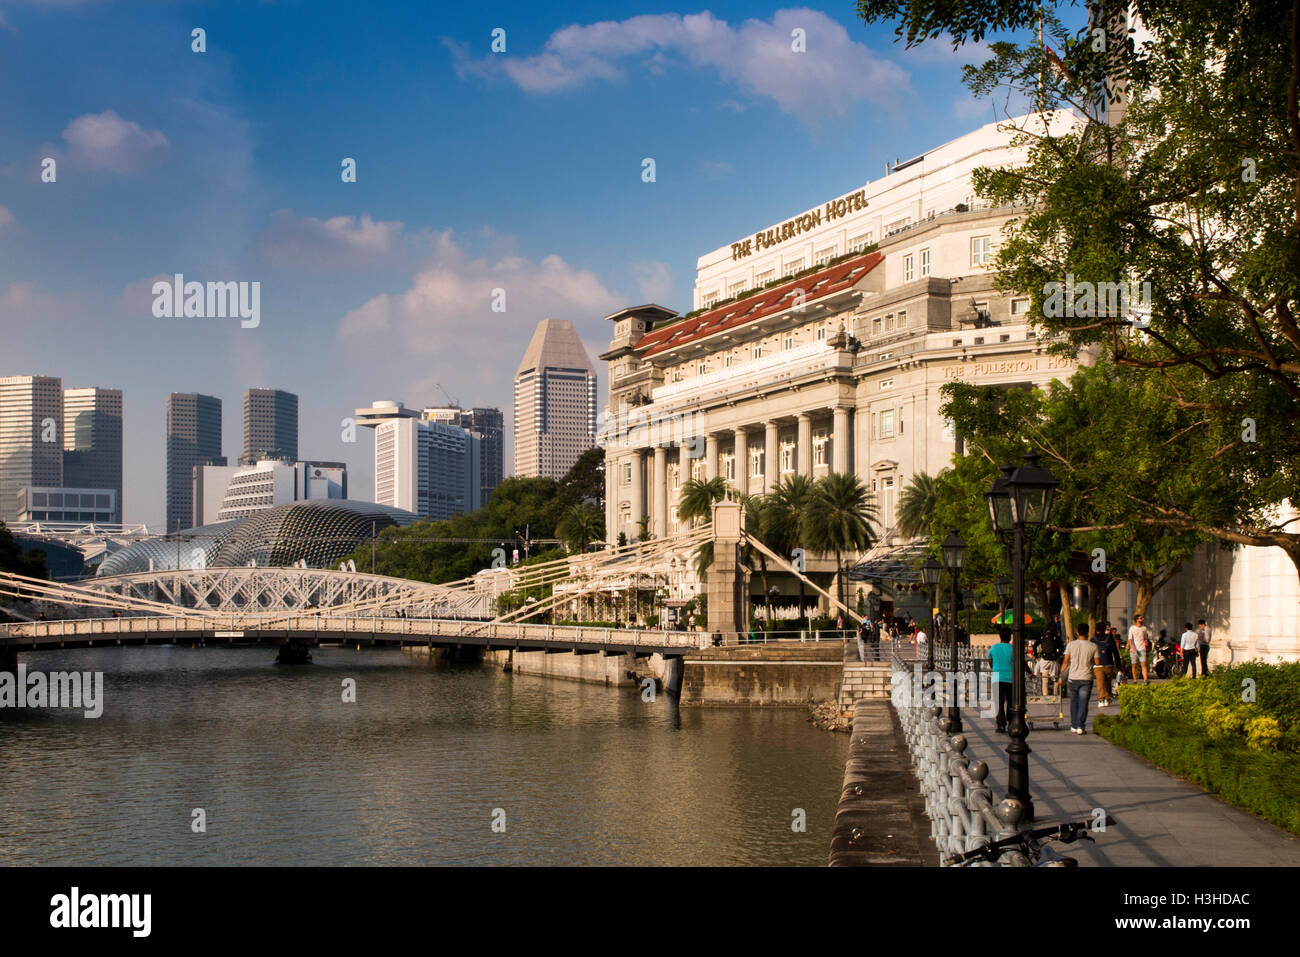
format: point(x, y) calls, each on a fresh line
point(820, 343)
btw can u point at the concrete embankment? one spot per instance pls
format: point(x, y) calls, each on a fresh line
point(791, 674)
point(881, 818)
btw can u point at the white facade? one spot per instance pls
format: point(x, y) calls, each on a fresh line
point(223, 493)
point(918, 190)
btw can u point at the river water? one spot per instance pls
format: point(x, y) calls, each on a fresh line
point(417, 770)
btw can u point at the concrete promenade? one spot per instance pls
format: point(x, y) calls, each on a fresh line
point(1156, 820)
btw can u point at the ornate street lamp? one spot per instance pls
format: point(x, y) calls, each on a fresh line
point(953, 550)
point(931, 571)
point(1020, 503)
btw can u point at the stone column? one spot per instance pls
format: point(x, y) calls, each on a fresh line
point(840, 440)
point(742, 462)
point(771, 471)
point(638, 488)
point(710, 457)
point(659, 492)
point(727, 586)
point(803, 451)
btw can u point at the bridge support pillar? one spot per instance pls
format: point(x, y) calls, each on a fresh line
point(727, 585)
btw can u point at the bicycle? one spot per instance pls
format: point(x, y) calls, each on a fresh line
point(1032, 844)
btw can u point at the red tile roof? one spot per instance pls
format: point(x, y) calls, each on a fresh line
point(815, 286)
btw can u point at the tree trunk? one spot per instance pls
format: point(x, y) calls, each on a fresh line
point(1067, 611)
point(767, 594)
point(1144, 581)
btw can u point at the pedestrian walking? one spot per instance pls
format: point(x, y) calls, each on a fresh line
point(1103, 668)
point(1187, 642)
point(1203, 646)
point(1000, 656)
point(1076, 668)
point(1139, 643)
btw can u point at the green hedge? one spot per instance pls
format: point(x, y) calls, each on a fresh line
point(1266, 783)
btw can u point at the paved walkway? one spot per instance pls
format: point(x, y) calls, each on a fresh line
point(1155, 819)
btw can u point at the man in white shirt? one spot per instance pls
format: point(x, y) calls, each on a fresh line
point(1139, 643)
point(1076, 670)
point(1187, 641)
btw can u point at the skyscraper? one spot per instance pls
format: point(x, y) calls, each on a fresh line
point(270, 426)
point(193, 438)
point(490, 425)
point(92, 441)
point(31, 439)
point(423, 464)
point(555, 402)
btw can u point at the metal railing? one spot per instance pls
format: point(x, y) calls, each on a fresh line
point(957, 801)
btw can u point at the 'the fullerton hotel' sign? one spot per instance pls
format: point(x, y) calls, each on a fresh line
point(835, 209)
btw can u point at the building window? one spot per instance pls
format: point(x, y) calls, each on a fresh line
point(819, 447)
point(908, 272)
point(979, 340)
point(981, 250)
point(902, 318)
point(1020, 307)
point(765, 277)
point(758, 351)
point(887, 424)
point(1004, 338)
point(793, 267)
point(710, 300)
point(727, 360)
point(729, 467)
point(788, 342)
point(886, 383)
point(956, 343)
point(859, 242)
point(825, 256)
point(787, 456)
point(627, 473)
point(755, 462)
point(703, 367)
point(821, 332)
point(900, 421)
point(1031, 334)
point(735, 289)
point(925, 262)
point(875, 327)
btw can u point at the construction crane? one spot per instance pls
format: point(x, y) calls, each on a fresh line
point(455, 403)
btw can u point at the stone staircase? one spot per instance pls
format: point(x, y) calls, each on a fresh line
point(862, 680)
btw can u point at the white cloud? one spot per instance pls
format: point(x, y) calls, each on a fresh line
point(328, 243)
point(106, 141)
point(756, 56)
point(654, 280)
point(447, 312)
point(6, 217)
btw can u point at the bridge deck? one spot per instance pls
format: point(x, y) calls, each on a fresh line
point(310, 629)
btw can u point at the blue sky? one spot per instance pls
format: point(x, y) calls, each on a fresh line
point(475, 170)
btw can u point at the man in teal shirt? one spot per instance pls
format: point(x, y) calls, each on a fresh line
point(1000, 655)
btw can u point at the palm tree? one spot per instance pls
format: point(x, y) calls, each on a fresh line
point(839, 519)
point(758, 526)
point(916, 504)
point(789, 504)
point(697, 498)
point(581, 525)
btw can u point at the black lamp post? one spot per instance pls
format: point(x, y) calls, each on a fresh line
point(1002, 586)
point(1020, 502)
point(930, 574)
point(954, 554)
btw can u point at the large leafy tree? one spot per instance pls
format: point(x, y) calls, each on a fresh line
point(1194, 190)
point(581, 525)
point(695, 503)
point(839, 520)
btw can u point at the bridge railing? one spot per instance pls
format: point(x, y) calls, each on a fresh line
point(957, 801)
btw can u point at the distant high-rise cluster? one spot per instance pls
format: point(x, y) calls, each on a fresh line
point(555, 402)
point(193, 440)
point(436, 462)
point(60, 451)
